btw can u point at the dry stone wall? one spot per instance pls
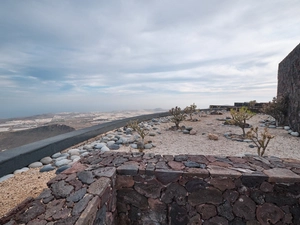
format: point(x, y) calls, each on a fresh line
point(289, 85)
point(138, 188)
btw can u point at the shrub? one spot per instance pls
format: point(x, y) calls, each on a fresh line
point(137, 128)
point(178, 116)
point(261, 143)
point(278, 109)
point(190, 110)
point(240, 117)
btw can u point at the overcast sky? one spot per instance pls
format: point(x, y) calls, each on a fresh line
point(80, 56)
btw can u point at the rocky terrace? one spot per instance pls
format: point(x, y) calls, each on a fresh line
point(138, 188)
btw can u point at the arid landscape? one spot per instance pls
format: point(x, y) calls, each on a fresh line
point(167, 142)
point(20, 131)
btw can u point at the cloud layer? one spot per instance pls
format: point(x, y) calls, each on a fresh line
point(112, 55)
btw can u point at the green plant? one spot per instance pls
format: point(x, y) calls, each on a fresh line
point(278, 109)
point(178, 116)
point(139, 129)
point(261, 143)
point(190, 110)
point(240, 117)
point(252, 104)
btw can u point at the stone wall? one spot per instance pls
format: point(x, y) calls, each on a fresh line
point(137, 188)
point(289, 85)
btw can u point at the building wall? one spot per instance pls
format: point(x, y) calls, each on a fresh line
point(289, 85)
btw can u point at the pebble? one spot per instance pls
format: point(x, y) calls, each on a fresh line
point(62, 168)
point(105, 148)
point(6, 177)
point(35, 165)
point(100, 145)
point(56, 155)
point(46, 160)
point(286, 128)
point(24, 169)
point(47, 168)
point(148, 146)
point(73, 151)
point(62, 162)
point(295, 134)
point(272, 126)
point(134, 146)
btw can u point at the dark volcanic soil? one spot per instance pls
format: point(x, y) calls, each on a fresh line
point(10, 140)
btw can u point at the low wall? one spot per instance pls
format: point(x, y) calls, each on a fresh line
point(137, 188)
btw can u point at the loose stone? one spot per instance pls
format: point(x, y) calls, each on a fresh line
point(47, 168)
point(62, 162)
point(24, 169)
point(46, 160)
point(35, 165)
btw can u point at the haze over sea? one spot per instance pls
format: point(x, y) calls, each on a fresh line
point(82, 56)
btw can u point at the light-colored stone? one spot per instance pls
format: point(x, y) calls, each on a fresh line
point(24, 169)
point(6, 177)
point(295, 134)
point(281, 175)
point(105, 149)
point(62, 162)
point(46, 160)
point(35, 165)
point(73, 151)
point(213, 137)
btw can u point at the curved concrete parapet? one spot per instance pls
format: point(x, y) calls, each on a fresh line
point(16, 158)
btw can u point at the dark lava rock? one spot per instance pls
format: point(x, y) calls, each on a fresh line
point(253, 181)
point(77, 195)
point(231, 195)
point(150, 189)
point(206, 211)
point(244, 207)
point(178, 215)
point(225, 210)
point(130, 196)
point(61, 189)
point(174, 190)
point(216, 221)
point(85, 177)
point(195, 185)
point(180, 158)
point(191, 164)
point(34, 209)
point(167, 176)
point(81, 205)
point(268, 212)
point(211, 195)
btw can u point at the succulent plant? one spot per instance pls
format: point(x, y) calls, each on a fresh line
point(240, 116)
point(177, 116)
point(261, 143)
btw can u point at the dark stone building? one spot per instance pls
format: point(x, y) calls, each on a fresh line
point(289, 86)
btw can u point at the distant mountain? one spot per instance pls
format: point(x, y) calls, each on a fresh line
point(15, 139)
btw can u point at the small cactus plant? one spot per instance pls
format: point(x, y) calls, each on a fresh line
point(190, 110)
point(241, 116)
point(178, 116)
point(261, 143)
point(137, 128)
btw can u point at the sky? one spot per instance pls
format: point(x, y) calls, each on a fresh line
point(82, 56)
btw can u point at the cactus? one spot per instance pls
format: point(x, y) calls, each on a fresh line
point(260, 143)
point(241, 116)
point(137, 128)
point(190, 110)
point(178, 116)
